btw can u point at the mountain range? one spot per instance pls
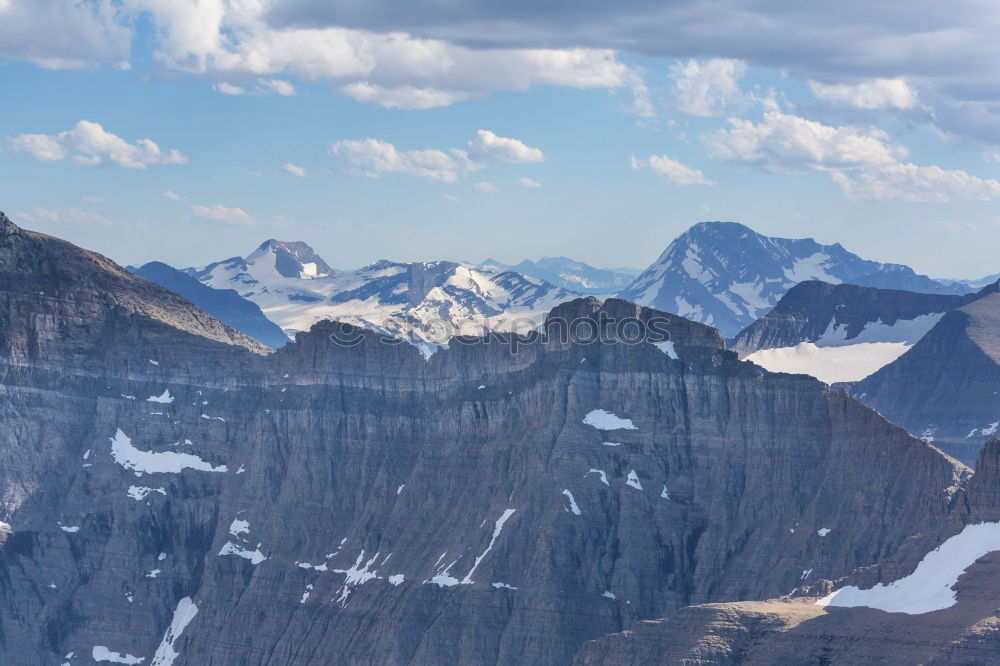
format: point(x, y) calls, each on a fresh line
point(572, 275)
point(726, 275)
point(423, 302)
point(172, 490)
point(841, 333)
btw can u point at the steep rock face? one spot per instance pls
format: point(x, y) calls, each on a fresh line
point(945, 389)
point(841, 333)
point(727, 275)
point(224, 304)
point(59, 302)
point(345, 499)
point(796, 629)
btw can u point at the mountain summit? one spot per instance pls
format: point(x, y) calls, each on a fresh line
point(292, 259)
point(727, 275)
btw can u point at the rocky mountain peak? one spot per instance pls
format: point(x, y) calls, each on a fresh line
point(293, 259)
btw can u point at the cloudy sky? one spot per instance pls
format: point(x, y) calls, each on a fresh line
point(192, 130)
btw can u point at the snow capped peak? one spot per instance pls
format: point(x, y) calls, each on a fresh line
point(727, 275)
point(423, 302)
point(291, 259)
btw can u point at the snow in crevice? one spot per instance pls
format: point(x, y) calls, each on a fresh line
point(503, 586)
point(239, 526)
point(605, 420)
point(931, 585)
point(443, 577)
point(396, 579)
point(497, 527)
point(668, 349)
point(151, 462)
point(601, 473)
point(139, 493)
point(823, 531)
point(664, 494)
point(183, 614)
point(164, 398)
point(355, 575)
point(255, 556)
point(633, 480)
point(572, 503)
point(100, 653)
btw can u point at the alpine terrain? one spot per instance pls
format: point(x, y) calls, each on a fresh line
point(171, 491)
point(946, 389)
point(726, 275)
point(569, 274)
point(841, 333)
point(424, 303)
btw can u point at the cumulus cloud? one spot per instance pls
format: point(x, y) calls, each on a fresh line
point(294, 169)
point(88, 144)
point(221, 213)
point(227, 41)
point(873, 94)
point(863, 162)
point(706, 88)
point(672, 170)
point(487, 147)
point(485, 186)
point(374, 158)
point(524, 181)
point(64, 34)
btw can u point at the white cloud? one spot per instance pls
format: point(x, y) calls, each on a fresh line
point(64, 34)
point(294, 169)
point(221, 213)
point(672, 170)
point(487, 147)
point(88, 144)
point(170, 194)
point(707, 87)
point(864, 163)
point(485, 186)
point(873, 94)
point(452, 198)
point(374, 158)
point(263, 86)
point(67, 215)
point(787, 144)
point(229, 40)
point(528, 182)
point(93, 200)
point(911, 182)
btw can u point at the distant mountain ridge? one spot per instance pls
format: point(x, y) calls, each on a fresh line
point(224, 304)
point(726, 275)
point(946, 389)
point(422, 302)
point(843, 332)
point(569, 274)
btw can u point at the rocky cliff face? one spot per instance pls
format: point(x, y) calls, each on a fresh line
point(962, 629)
point(167, 490)
point(945, 389)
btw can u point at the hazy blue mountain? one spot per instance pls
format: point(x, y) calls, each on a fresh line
point(570, 274)
point(224, 304)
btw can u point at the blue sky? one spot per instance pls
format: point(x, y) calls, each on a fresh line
point(269, 111)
